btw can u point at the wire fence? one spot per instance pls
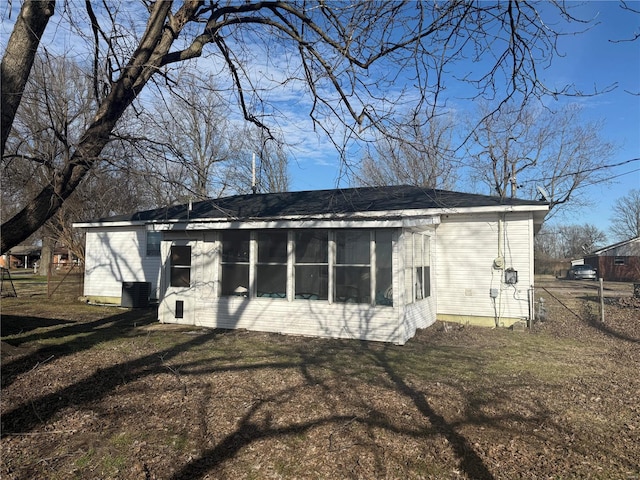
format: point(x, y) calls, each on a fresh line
point(65, 280)
point(583, 300)
point(61, 282)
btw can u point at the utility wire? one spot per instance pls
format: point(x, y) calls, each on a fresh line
point(594, 169)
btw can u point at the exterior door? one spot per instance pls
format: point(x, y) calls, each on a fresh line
point(180, 294)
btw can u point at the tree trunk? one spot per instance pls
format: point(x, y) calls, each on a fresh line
point(46, 255)
point(18, 58)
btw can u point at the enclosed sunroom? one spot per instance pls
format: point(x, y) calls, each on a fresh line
point(367, 283)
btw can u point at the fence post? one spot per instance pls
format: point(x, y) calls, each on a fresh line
point(601, 293)
point(532, 306)
point(542, 311)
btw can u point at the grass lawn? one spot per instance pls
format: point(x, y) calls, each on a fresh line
point(103, 392)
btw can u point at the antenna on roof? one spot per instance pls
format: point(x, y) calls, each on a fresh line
point(254, 187)
point(543, 193)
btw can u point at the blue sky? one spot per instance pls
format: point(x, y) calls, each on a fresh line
point(597, 59)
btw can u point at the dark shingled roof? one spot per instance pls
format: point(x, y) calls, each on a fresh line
point(319, 202)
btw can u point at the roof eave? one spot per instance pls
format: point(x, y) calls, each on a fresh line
point(540, 210)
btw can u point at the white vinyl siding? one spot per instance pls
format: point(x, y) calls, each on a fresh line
point(117, 255)
point(467, 247)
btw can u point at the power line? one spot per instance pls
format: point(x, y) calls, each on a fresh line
point(588, 170)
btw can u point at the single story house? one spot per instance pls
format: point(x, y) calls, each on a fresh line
point(20, 256)
point(371, 263)
point(619, 262)
point(28, 256)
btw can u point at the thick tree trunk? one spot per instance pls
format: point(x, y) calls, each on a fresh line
point(46, 255)
point(151, 52)
point(18, 58)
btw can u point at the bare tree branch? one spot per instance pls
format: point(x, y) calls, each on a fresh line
point(18, 58)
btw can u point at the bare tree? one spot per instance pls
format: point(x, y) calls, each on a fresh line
point(263, 166)
point(515, 150)
point(53, 114)
point(625, 220)
point(345, 55)
point(194, 140)
point(568, 241)
point(194, 151)
point(419, 153)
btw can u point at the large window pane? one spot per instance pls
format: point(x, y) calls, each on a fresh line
point(272, 247)
point(353, 284)
point(352, 273)
point(312, 246)
point(311, 264)
point(384, 275)
point(235, 280)
point(409, 272)
point(272, 281)
point(235, 263)
point(312, 282)
point(353, 247)
point(271, 267)
point(235, 246)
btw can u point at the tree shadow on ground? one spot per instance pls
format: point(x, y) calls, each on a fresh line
point(255, 424)
point(83, 336)
point(470, 462)
point(251, 429)
point(23, 418)
point(594, 320)
point(16, 325)
point(597, 324)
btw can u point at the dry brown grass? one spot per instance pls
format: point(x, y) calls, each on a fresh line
point(89, 392)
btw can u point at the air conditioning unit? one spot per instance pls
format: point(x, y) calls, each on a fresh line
point(135, 294)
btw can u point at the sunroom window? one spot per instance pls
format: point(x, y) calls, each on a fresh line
point(235, 263)
point(384, 272)
point(417, 267)
point(271, 265)
point(426, 266)
point(311, 264)
point(418, 292)
point(352, 271)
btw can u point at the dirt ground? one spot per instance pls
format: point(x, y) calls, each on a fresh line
point(107, 393)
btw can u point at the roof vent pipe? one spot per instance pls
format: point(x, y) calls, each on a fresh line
point(254, 187)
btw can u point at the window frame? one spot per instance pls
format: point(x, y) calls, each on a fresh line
point(243, 261)
point(322, 264)
point(282, 264)
point(338, 262)
point(148, 236)
point(176, 270)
